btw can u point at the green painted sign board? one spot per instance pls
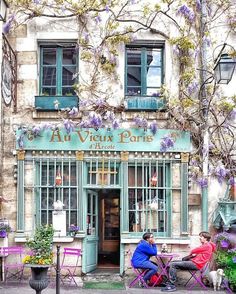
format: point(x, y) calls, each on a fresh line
point(103, 140)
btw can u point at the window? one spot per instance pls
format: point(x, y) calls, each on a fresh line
point(144, 75)
point(149, 196)
point(57, 180)
point(58, 69)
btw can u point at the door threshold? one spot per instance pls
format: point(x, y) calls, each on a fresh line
point(105, 271)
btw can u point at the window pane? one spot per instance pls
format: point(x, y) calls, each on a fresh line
point(134, 57)
point(153, 77)
point(133, 91)
point(49, 56)
point(153, 57)
point(67, 75)
point(48, 91)
point(49, 76)
point(68, 91)
point(69, 56)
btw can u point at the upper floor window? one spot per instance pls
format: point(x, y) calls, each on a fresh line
point(58, 70)
point(144, 72)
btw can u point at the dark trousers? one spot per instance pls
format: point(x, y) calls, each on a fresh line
point(182, 265)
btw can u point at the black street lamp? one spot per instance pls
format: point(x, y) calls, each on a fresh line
point(3, 10)
point(224, 67)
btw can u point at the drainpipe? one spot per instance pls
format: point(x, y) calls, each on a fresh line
point(204, 105)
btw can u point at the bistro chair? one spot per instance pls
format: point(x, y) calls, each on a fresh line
point(197, 275)
point(69, 265)
point(13, 266)
point(139, 273)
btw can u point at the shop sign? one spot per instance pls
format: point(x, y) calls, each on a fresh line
point(104, 140)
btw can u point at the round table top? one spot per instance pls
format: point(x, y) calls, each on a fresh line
point(168, 254)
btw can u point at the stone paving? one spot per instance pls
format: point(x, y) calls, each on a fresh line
point(24, 288)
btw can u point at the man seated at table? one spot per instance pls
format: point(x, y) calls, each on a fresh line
point(141, 256)
point(198, 257)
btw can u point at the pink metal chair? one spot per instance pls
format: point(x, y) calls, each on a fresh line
point(139, 273)
point(13, 267)
point(70, 265)
point(197, 275)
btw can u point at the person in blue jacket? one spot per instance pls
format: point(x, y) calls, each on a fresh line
point(141, 257)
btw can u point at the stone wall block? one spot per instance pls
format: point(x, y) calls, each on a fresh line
point(27, 57)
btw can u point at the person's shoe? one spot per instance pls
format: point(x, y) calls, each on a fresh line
point(140, 284)
point(169, 288)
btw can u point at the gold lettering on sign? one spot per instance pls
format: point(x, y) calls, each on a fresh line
point(127, 137)
point(56, 137)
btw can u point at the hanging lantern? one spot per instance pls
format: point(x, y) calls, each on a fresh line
point(153, 181)
point(58, 179)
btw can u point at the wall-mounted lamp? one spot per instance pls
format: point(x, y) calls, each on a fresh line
point(3, 10)
point(224, 66)
point(153, 180)
point(58, 179)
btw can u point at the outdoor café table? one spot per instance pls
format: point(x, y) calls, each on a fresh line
point(163, 260)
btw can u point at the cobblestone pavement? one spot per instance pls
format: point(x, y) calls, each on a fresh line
point(24, 288)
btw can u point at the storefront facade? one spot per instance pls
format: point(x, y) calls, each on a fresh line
point(114, 185)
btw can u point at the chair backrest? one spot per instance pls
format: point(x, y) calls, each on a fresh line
point(12, 250)
point(70, 251)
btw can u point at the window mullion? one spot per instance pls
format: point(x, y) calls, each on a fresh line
point(143, 71)
point(59, 71)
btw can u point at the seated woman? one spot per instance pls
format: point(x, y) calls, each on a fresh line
point(145, 249)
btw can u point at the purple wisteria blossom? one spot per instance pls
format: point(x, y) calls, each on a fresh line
point(36, 1)
point(107, 8)
point(192, 87)
point(20, 140)
point(207, 40)
point(109, 115)
point(36, 130)
point(84, 124)
point(232, 115)
point(221, 173)
point(141, 122)
point(153, 127)
point(98, 19)
point(115, 124)
point(8, 24)
point(232, 181)
point(176, 50)
point(86, 37)
point(186, 12)
point(166, 143)
point(202, 182)
point(198, 5)
point(100, 102)
point(69, 125)
point(73, 112)
point(95, 120)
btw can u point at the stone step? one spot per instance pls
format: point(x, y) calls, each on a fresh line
point(103, 275)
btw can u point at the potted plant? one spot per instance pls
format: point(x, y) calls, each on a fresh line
point(40, 257)
point(4, 229)
point(73, 230)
